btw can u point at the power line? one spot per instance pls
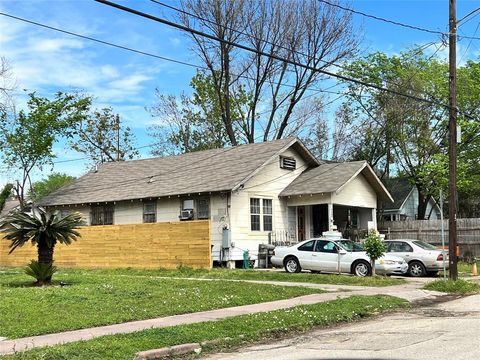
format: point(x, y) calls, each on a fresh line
point(423, 47)
point(466, 16)
point(128, 48)
point(413, 27)
point(241, 32)
point(276, 57)
point(99, 41)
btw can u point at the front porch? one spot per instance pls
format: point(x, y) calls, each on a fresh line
point(311, 220)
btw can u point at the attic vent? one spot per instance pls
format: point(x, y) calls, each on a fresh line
point(288, 163)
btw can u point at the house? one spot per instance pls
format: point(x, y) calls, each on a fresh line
point(405, 205)
point(248, 192)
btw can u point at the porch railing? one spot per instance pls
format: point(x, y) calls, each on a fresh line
point(281, 238)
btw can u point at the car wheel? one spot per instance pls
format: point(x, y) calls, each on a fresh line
point(292, 265)
point(416, 269)
point(361, 268)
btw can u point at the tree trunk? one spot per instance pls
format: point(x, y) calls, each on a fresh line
point(373, 267)
point(45, 256)
point(422, 204)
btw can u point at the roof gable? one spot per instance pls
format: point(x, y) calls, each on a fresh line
point(401, 189)
point(198, 172)
point(334, 177)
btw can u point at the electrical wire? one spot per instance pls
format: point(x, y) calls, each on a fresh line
point(422, 48)
point(388, 21)
point(275, 57)
point(126, 48)
point(397, 23)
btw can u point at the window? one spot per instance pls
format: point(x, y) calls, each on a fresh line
point(150, 212)
point(261, 214)
point(288, 163)
point(326, 247)
point(308, 246)
point(102, 215)
point(267, 215)
point(64, 213)
point(255, 214)
point(200, 207)
point(398, 246)
point(203, 209)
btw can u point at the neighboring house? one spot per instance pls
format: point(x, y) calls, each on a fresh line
point(248, 193)
point(405, 205)
point(11, 204)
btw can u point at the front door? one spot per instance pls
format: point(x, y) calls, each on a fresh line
point(301, 223)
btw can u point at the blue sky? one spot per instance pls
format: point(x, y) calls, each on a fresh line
point(47, 61)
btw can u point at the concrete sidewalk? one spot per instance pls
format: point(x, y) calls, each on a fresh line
point(409, 291)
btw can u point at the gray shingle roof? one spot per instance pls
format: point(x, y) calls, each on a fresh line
point(198, 172)
point(400, 188)
point(331, 177)
point(10, 204)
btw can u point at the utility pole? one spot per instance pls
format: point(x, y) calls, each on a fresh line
point(118, 137)
point(452, 126)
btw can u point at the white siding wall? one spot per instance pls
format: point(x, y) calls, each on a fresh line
point(128, 212)
point(267, 184)
point(83, 210)
point(309, 199)
point(357, 192)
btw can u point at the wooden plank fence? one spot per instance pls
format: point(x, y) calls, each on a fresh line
point(468, 232)
point(165, 244)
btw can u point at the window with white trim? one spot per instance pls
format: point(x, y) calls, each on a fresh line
point(261, 214)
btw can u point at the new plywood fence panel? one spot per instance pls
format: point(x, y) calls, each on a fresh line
point(166, 244)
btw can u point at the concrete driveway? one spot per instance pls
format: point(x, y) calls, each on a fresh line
point(449, 330)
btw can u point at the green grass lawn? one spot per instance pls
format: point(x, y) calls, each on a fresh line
point(459, 286)
point(241, 330)
point(94, 298)
point(263, 275)
point(465, 270)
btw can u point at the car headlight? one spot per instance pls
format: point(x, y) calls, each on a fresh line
point(387, 262)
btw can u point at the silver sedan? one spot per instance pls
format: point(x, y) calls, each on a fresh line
point(422, 258)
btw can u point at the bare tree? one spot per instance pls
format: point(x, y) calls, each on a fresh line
point(306, 32)
point(102, 138)
point(7, 86)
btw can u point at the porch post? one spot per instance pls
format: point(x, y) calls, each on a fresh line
point(330, 217)
point(374, 218)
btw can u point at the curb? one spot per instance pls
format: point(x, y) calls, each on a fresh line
point(167, 351)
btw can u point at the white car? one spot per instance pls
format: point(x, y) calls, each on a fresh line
point(325, 254)
point(422, 258)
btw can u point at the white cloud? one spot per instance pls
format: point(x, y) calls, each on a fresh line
point(132, 82)
point(56, 45)
point(109, 71)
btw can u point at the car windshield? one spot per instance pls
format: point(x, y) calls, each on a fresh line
point(349, 245)
point(424, 245)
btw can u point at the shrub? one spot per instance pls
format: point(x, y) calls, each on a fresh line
point(41, 272)
point(375, 247)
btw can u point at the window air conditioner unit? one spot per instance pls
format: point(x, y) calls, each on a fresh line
point(186, 214)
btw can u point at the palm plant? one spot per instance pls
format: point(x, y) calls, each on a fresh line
point(43, 230)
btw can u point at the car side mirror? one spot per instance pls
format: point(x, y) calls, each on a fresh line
point(342, 251)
